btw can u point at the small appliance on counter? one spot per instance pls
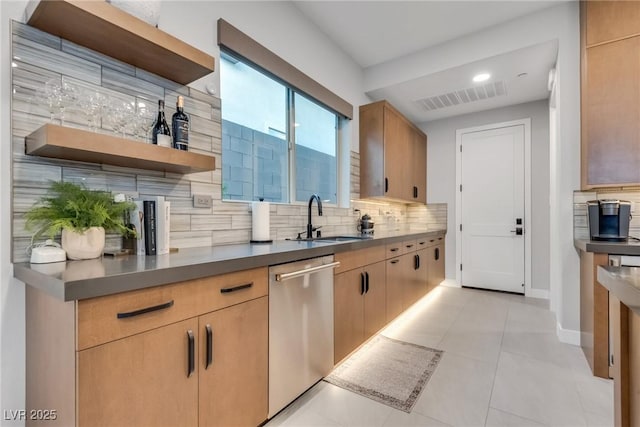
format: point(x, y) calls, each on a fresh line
point(365, 224)
point(609, 219)
point(47, 252)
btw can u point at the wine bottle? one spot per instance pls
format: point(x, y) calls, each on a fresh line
point(180, 126)
point(161, 132)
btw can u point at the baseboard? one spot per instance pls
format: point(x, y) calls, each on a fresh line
point(450, 283)
point(568, 336)
point(538, 293)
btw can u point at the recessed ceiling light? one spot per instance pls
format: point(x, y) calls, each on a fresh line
point(481, 77)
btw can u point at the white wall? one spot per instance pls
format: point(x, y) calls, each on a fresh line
point(556, 23)
point(277, 25)
point(441, 177)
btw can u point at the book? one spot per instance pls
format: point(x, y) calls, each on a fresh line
point(150, 238)
point(162, 216)
point(137, 221)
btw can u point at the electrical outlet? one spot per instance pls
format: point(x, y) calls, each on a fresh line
point(202, 201)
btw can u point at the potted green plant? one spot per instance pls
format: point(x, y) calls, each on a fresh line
point(82, 215)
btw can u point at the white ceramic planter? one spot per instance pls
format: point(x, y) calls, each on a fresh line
point(87, 245)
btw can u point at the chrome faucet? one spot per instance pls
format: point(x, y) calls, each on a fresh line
point(309, 226)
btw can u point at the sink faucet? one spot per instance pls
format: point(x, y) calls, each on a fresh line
point(309, 226)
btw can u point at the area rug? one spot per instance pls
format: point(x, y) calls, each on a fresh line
point(388, 371)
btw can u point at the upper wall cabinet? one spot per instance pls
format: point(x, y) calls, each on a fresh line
point(393, 155)
point(610, 46)
point(113, 32)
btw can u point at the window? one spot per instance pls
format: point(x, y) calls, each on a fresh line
point(277, 144)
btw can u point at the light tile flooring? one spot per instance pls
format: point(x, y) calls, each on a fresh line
point(503, 366)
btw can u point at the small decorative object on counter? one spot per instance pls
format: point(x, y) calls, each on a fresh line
point(161, 133)
point(260, 222)
point(180, 126)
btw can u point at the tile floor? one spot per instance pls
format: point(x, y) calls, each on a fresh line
point(503, 366)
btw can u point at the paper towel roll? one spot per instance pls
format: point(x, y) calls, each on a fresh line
point(260, 221)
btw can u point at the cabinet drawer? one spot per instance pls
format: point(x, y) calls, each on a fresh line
point(111, 317)
point(359, 257)
point(427, 242)
point(395, 249)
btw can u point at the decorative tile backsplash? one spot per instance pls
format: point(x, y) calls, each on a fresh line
point(39, 57)
point(580, 221)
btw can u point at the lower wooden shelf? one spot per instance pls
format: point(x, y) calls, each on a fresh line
point(61, 142)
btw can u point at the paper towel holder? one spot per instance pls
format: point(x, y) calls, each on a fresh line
point(261, 199)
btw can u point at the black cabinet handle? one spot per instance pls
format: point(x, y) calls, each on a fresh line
point(144, 310)
point(416, 264)
point(386, 185)
point(409, 246)
point(418, 260)
point(362, 285)
point(236, 288)
point(437, 253)
point(394, 249)
point(432, 240)
point(422, 243)
point(415, 192)
point(191, 350)
point(395, 261)
point(439, 238)
point(366, 282)
point(209, 346)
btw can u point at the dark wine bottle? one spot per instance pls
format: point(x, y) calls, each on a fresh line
point(161, 132)
point(180, 126)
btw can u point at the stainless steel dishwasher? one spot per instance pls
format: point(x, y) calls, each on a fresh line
point(300, 328)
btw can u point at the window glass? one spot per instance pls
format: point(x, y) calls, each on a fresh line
point(254, 134)
point(316, 162)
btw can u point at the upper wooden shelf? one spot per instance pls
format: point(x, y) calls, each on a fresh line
point(61, 142)
point(106, 29)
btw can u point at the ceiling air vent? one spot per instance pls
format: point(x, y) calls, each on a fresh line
point(463, 96)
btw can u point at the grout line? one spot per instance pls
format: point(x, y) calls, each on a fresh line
point(495, 373)
point(515, 415)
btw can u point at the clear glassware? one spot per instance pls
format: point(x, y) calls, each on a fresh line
point(143, 122)
point(68, 98)
point(93, 105)
point(51, 96)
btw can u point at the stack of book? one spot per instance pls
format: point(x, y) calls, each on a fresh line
point(151, 222)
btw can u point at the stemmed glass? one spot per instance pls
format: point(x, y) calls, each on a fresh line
point(93, 103)
point(120, 113)
point(51, 96)
point(143, 121)
point(69, 95)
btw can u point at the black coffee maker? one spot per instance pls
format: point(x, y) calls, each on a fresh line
point(609, 219)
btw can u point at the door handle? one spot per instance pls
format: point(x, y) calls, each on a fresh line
point(281, 277)
point(209, 346)
point(366, 282)
point(386, 185)
point(191, 350)
point(518, 231)
point(437, 254)
point(362, 285)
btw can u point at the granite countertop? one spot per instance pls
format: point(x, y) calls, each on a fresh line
point(76, 280)
point(624, 283)
point(632, 247)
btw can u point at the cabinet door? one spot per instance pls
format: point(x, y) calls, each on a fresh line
point(395, 274)
point(348, 312)
point(612, 104)
point(141, 380)
point(375, 316)
point(419, 170)
point(396, 153)
point(611, 20)
point(422, 273)
point(233, 381)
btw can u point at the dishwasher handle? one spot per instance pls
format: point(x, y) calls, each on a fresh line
point(281, 277)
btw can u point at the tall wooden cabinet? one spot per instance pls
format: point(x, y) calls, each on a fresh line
point(610, 50)
point(393, 155)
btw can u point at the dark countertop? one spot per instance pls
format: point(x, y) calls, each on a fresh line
point(624, 283)
point(76, 280)
point(631, 247)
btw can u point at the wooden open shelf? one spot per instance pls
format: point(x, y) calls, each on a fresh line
point(61, 142)
point(106, 29)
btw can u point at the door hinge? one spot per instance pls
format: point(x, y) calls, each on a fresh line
point(461, 188)
point(461, 267)
point(461, 148)
point(460, 227)
point(612, 363)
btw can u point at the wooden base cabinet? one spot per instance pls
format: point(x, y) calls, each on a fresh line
point(396, 274)
point(359, 307)
point(190, 354)
point(435, 259)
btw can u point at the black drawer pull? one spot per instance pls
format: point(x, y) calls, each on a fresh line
point(209, 346)
point(395, 261)
point(439, 238)
point(409, 246)
point(422, 243)
point(145, 310)
point(235, 288)
point(432, 240)
point(437, 254)
point(394, 249)
point(191, 350)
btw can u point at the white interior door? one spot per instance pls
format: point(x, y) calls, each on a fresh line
point(492, 201)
